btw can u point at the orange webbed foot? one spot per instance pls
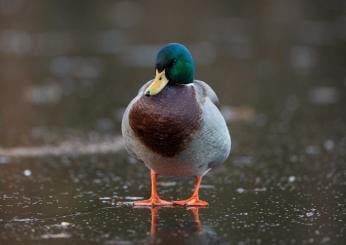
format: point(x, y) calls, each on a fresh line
point(153, 201)
point(192, 201)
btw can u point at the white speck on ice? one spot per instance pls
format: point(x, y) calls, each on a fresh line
point(312, 150)
point(260, 189)
point(167, 183)
point(207, 186)
point(133, 198)
point(329, 145)
point(65, 224)
point(27, 172)
point(291, 179)
point(105, 198)
point(240, 190)
point(16, 219)
point(55, 236)
point(4, 160)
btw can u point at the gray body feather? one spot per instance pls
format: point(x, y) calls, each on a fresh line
point(209, 147)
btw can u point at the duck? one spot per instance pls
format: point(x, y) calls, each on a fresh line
point(174, 125)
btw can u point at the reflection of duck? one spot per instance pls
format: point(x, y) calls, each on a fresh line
point(154, 213)
point(174, 126)
point(182, 233)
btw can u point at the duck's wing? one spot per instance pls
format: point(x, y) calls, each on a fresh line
point(144, 87)
point(207, 91)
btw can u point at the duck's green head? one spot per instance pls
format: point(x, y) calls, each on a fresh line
point(174, 65)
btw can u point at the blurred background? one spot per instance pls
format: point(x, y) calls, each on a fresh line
point(69, 68)
point(76, 64)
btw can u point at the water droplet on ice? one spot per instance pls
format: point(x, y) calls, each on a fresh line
point(27, 172)
point(240, 190)
point(291, 179)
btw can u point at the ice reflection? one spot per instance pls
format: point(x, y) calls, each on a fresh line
point(180, 231)
point(75, 148)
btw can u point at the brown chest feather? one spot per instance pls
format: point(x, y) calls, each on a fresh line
point(166, 122)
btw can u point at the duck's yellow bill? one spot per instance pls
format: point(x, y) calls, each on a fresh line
point(159, 83)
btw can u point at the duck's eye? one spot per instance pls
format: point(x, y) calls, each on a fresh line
point(171, 63)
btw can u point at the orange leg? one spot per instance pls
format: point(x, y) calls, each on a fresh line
point(194, 199)
point(154, 200)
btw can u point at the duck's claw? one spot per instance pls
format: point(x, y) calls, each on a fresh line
point(153, 201)
point(192, 201)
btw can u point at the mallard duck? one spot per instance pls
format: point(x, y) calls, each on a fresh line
point(174, 125)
